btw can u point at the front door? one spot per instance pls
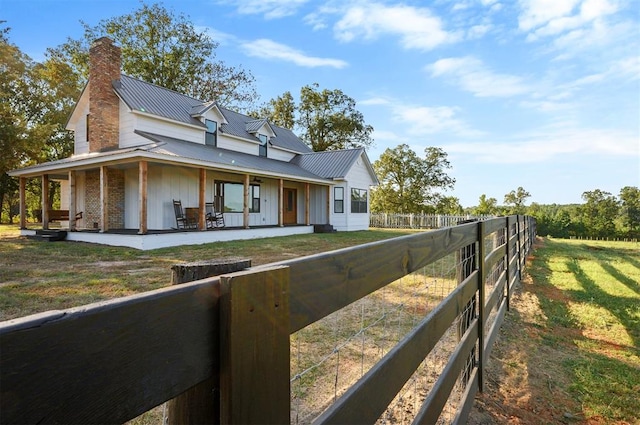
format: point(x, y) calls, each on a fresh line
point(290, 215)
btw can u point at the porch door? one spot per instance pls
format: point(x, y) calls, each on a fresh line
point(290, 215)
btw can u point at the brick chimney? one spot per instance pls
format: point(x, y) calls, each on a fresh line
point(104, 105)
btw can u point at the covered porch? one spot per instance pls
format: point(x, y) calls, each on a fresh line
point(111, 201)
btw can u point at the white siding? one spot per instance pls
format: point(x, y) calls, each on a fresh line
point(357, 178)
point(237, 145)
point(127, 126)
point(279, 154)
point(318, 204)
point(165, 128)
point(81, 145)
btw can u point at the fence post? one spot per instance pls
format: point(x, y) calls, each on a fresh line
point(254, 341)
point(465, 264)
point(508, 242)
point(482, 277)
point(200, 404)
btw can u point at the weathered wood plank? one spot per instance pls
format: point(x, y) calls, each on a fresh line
point(254, 360)
point(432, 407)
point(369, 397)
point(467, 399)
point(108, 362)
point(493, 225)
point(497, 293)
point(200, 404)
point(491, 336)
point(494, 256)
point(324, 283)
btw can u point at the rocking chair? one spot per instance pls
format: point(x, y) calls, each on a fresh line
point(215, 219)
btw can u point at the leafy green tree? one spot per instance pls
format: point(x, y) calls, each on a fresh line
point(486, 206)
point(517, 198)
point(630, 211)
point(329, 120)
point(281, 111)
point(598, 213)
point(408, 183)
point(164, 49)
point(449, 205)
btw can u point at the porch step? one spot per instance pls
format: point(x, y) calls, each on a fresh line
point(50, 235)
point(323, 228)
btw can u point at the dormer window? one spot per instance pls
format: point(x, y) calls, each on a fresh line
point(263, 144)
point(210, 137)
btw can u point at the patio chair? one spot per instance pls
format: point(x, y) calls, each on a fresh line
point(182, 222)
point(215, 220)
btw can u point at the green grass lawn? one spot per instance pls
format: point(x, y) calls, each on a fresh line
point(589, 292)
point(39, 276)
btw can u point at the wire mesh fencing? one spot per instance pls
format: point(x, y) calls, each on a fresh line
point(329, 356)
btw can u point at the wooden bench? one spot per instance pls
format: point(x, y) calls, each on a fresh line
point(62, 215)
point(57, 215)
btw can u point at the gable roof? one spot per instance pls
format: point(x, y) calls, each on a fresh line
point(151, 99)
point(334, 164)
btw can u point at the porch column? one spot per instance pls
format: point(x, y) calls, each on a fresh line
point(307, 197)
point(142, 197)
point(23, 203)
point(72, 200)
point(245, 208)
point(328, 205)
point(45, 201)
point(104, 200)
point(202, 224)
point(280, 203)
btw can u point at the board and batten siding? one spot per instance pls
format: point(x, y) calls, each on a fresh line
point(279, 154)
point(165, 183)
point(357, 178)
point(80, 143)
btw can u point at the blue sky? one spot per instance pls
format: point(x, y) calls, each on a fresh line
point(543, 94)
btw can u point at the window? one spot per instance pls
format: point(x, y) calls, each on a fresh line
point(358, 201)
point(229, 197)
point(87, 127)
point(210, 137)
point(263, 144)
point(338, 199)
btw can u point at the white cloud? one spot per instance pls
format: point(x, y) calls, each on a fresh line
point(417, 28)
point(421, 120)
point(271, 9)
point(268, 49)
point(552, 143)
point(473, 76)
point(551, 17)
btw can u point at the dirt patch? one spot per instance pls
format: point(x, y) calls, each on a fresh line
point(525, 382)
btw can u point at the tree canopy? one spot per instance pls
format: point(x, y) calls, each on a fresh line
point(166, 49)
point(409, 183)
point(517, 198)
point(324, 119)
point(280, 111)
point(486, 206)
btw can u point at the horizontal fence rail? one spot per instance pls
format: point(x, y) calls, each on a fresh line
point(111, 361)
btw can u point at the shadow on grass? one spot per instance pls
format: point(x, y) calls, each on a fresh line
point(620, 307)
point(606, 385)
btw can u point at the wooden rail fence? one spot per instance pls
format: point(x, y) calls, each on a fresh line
point(111, 361)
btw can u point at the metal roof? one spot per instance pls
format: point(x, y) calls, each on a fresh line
point(329, 164)
point(152, 99)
